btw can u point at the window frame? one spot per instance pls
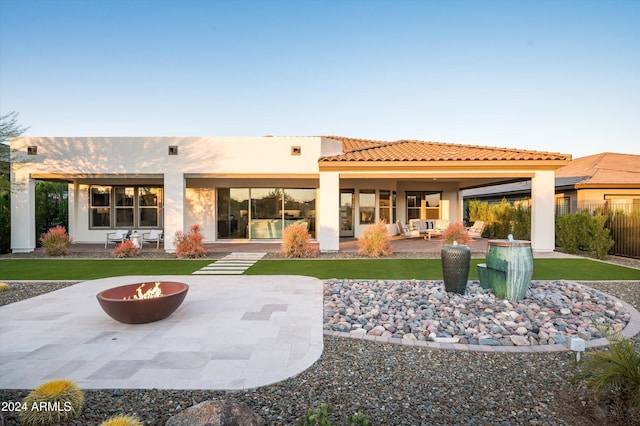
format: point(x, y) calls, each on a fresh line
point(136, 208)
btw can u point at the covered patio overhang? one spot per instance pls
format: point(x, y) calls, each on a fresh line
point(449, 178)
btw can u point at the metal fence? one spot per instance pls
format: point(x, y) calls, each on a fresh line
point(623, 221)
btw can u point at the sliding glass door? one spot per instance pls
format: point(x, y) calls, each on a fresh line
point(262, 213)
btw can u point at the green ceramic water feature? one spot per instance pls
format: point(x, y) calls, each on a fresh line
point(509, 268)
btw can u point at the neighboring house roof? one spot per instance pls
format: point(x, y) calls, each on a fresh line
point(607, 169)
point(358, 150)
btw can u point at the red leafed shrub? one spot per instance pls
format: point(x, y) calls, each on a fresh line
point(296, 242)
point(456, 232)
point(126, 249)
point(56, 241)
point(189, 244)
point(374, 241)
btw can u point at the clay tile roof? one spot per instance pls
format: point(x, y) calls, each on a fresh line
point(412, 150)
point(602, 169)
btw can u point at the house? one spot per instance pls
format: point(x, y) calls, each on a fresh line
point(590, 182)
point(250, 188)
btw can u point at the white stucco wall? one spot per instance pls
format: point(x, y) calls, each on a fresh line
point(123, 160)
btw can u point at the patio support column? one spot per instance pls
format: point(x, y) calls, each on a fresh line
point(329, 211)
point(174, 201)
point(72, 193)
point(23, 214)
point(543, 230)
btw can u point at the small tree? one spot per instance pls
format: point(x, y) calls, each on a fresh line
point(9, 128)
point(51, 205)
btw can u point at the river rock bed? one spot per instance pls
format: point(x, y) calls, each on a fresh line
point(423, 310)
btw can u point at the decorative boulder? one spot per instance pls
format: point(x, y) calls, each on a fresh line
point(217, 413)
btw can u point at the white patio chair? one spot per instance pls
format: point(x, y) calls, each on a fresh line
point(155, 235)
point(117, 237)
point(405, 231)
point(475, 231)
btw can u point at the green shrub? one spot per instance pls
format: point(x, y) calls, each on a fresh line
point(317, 416)
point(296, 242)
point(358, 419)
point(522, 222)
point(51, 205)
point(126, 249)
point(51, 403)
point(190, 245)
point(614, 373)
point(124, 420)
point(599, 240)
point(5, 217)
point(583, 231)
point(502, 219)
point(374, 241)
point(55, 241)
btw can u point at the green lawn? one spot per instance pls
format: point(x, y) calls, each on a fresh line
point(86, 269)
point(426, 269)
point(431, 269)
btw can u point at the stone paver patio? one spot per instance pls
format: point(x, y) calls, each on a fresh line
point(231, 332)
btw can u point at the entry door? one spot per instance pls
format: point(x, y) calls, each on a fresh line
point(346, 212)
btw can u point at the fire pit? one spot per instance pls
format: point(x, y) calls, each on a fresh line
point(142, 302)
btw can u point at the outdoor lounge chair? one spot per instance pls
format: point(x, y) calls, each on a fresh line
point(153, 236)
point(475, 231)
point(117, 237)
point(406, 232)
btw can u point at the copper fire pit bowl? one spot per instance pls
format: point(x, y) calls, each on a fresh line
point(119, 302)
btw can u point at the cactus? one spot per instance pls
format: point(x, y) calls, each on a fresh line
point(52, 402)
point(124, 420)
point(4, 287)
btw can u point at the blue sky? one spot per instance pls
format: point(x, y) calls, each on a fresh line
point(560, 76)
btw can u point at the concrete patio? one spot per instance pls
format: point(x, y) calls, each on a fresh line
point(230, 333)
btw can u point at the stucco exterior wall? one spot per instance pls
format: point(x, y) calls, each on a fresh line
point(143, 160)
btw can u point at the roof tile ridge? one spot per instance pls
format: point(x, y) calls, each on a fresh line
point(503, 149)
point(352, 139)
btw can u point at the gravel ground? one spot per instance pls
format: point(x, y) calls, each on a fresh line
point(390, 384)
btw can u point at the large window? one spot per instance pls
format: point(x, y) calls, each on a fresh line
point(124, 206)
point(132, 207)
point(562, 206)
point(149, 206)
point(423, 205)
point(262, 213)
point(367, 205)
point(100, 207)
point(387, 206)
point(233, 212)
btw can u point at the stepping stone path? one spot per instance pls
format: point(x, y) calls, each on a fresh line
point(232, 264)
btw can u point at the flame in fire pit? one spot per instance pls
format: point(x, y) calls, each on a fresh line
point(149, 294)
